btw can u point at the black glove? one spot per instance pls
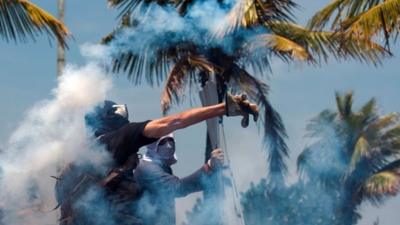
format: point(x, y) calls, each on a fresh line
point(239, 105)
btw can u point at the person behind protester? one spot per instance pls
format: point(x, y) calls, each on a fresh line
point(123, 139)
point(160, 186)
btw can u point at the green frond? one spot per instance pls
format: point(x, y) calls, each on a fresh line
point(175, 84)
point(303, 164)
point(392, 166)
point(344, 104)
point(183, 5)
point(360, 19)
point(369, 107)
point(124, 23)
point(322, 17)
point(362, 149)
point(360, 48)
point(380, 185)
point(21, 19)
point(274, 130)
point(392, 134)
point(384, 125)
point(139, 67)
point(321, 44)
point(317, 125)
point(281, 46)
point(127, 6)
point(252, 13)
point(383, 17)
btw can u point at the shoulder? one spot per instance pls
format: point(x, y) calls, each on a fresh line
point(137, 127)
point(148, 170)
point(147, 167)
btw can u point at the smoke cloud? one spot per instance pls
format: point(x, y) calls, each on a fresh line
point(52, 134)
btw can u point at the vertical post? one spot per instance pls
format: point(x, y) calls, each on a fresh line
point(60, 49)
point(214, 194)
point(224, 210)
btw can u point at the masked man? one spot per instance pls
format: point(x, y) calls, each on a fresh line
point(160, 187)
point(123, 139)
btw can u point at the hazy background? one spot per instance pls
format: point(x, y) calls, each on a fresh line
point(298, 92)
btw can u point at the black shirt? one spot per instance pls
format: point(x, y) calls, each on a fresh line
point(125, 142)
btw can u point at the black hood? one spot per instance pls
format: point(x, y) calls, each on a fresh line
point(103, 119)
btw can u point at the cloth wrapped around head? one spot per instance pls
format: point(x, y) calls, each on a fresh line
point(106, 117)
point(162, 150)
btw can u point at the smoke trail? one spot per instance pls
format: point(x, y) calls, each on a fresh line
point(51, 134)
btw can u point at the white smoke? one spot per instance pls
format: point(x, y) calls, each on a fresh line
point(52, 134)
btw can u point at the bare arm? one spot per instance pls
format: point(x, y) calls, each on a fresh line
point(160, 127)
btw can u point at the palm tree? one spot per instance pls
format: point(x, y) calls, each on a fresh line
point(355, 157)
point(60, 47)
point(361, 18)
point(257, 31)
point(21, 19)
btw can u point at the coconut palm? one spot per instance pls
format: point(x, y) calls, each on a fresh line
point(356, 156)
point(361, 18)
point(21, 19)
point(255, 30)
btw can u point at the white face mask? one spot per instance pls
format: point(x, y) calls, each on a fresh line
point(166, 151)
point(121, 110)
point(166, 148)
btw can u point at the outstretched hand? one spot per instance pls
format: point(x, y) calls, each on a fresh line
point(239, 105)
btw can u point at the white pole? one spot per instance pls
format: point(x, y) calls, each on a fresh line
point(209, 96)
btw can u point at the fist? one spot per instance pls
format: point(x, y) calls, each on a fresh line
point(217, 158)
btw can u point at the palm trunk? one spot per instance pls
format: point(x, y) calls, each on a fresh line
point(60, 48)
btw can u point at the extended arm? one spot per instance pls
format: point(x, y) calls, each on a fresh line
point(160, 127)
point(152, 177)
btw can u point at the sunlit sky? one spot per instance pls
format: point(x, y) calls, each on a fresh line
point(298, 91)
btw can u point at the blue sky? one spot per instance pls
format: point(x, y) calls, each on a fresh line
point(298, 92)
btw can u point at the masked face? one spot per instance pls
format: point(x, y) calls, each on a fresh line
point(166, 150)
point(121, 110)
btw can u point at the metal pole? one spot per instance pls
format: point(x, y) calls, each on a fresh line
point(60, 49)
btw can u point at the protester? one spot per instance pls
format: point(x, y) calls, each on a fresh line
point(160, 187)
point(123, 139)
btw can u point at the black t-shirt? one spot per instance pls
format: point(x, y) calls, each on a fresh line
point(126, 141)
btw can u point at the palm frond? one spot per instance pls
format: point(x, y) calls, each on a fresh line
point(175, 85)
point(361, 19)
point(303, 164)
point(322, 17)
point(124, 23)
point(131, 6)
point(251, 13)
point(360, 48)
point(369, 108)
point(384, 17)
point(139, 66)
point(344, 104)
point(318, 125)
point(362, 149)
point(393, 133)
point(281, 46)
point(183, 5)
point(321, 44)
point(21, 19)
point(274, 130)
point(381, 185)
point(382, 125)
